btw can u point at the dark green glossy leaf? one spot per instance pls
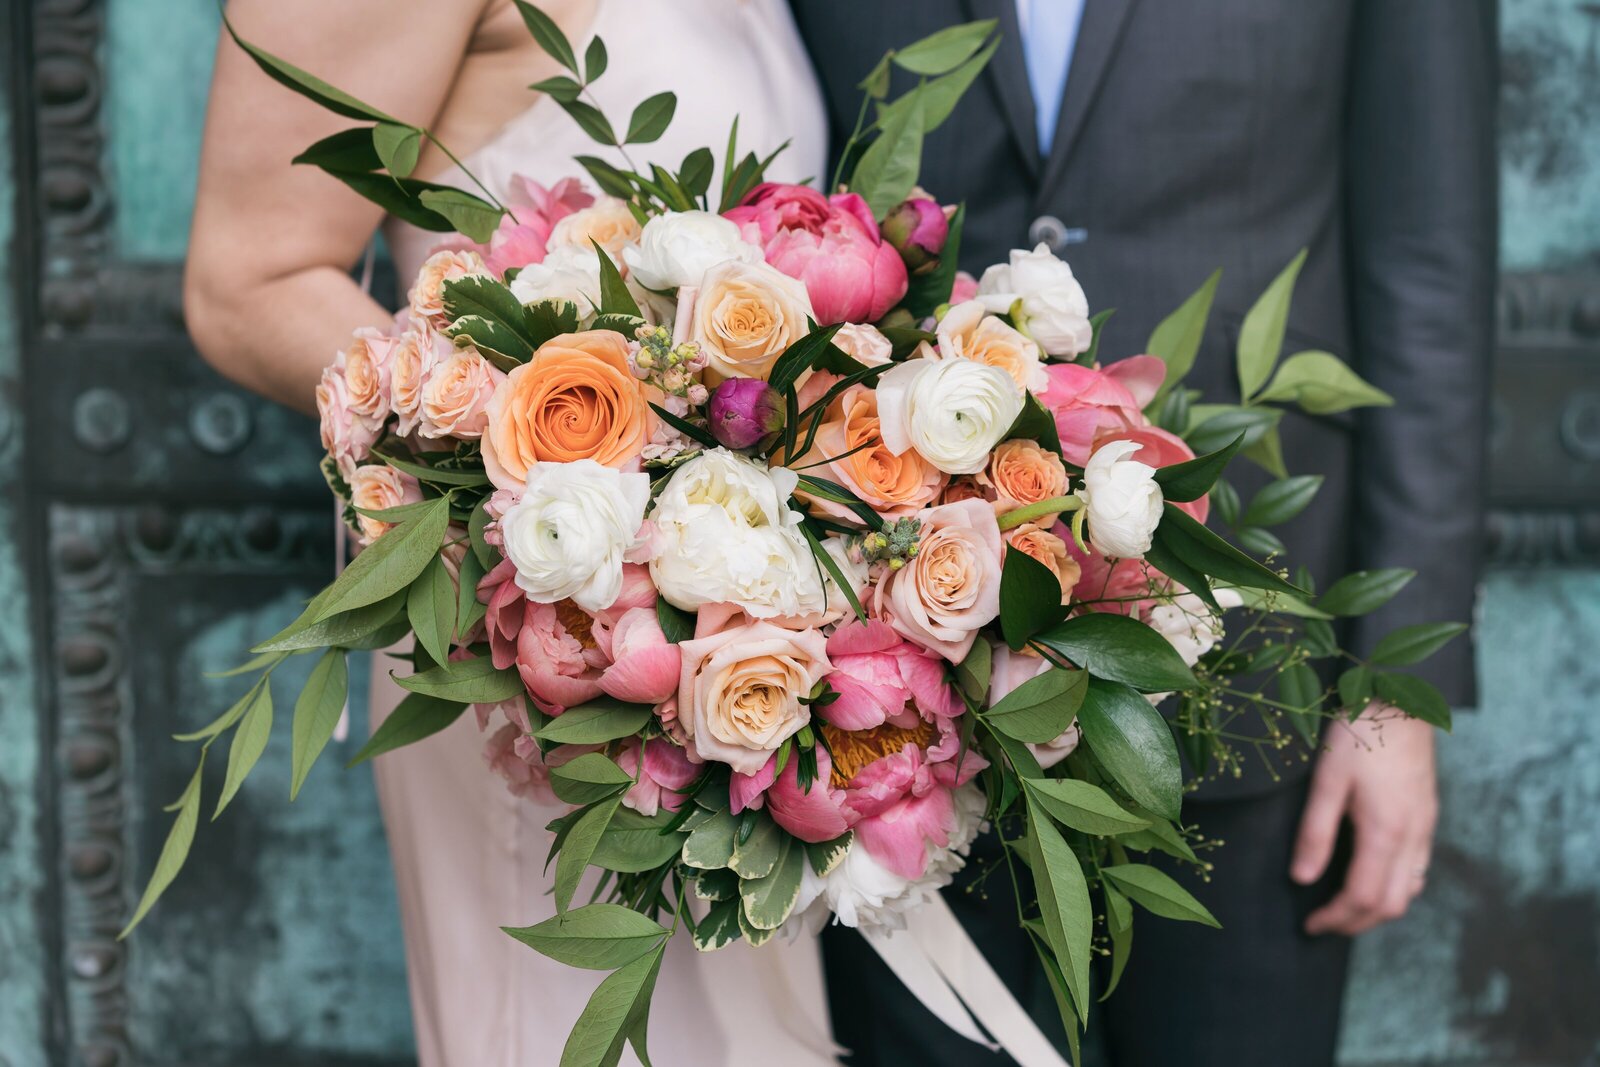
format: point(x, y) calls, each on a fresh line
point(1134, 745)
point(1364, 591)
point(416, 717)
point(1035, 423)
point(1030, 598)
point(651, 118)
point(1119, 649)
point(1282, 500)
point(1201, 550)
point(549, 36)
point(1193, 479)
point(1082, 806)
point(1417, 698)
point(308, 85)
point(1413, 644)
point(927, 291)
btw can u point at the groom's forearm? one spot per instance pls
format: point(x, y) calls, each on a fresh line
point(1421, 218)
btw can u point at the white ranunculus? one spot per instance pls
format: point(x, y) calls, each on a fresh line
point(726, 535)
point(952, 411)
point(863, 893)
point(1055, 313)
point(677, 248)
point(1122, 499)
point(568, 273)
point(568, 534)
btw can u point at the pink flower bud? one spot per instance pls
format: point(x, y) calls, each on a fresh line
point(918, 229)
point(743, 412)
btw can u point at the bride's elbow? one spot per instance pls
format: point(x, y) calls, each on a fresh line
point(210, 311)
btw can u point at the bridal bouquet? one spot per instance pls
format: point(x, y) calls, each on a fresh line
point(790, 557)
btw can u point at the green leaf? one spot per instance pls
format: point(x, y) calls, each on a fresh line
point(1225, 498)
point(249, 741)
point(467, 681)
point(720, 927)
point(615, 1008)
point(400, 197)
point(945, 50)
point(615, 299)
point(1176, 338)
point(936, 99)
point(1261, 542)
point(579, 846)
point(1261, 335)
point(755, 856)
point(560, 86)
point(594, 60)
point(1134, 745)
point(831, 565)
point(972, 673)
point(887, 170)
point(1266, 452)
point(1413, 644)
point(316, 714)
point(1040, 709)
point(709, 846)
point(1282, 500)
point(1320, 639)
point(397, 146)
point(308, 85)
point(417, 716)
point(589, 778)
point(594, 723)
point(474, 217)
point(634, 843)
point(876, 83)
point(1036, 424)
point(1119, 649)
point(1030, 598)
point(768, 900)
point(590, 119)
point(1417, 698)
point(1064, 904)
point(716, 885)
point(1155, 891)
point(1097, 325)
point(385, 567)
point(927, 291)
point(478, 295)
point(694, 174)
point(651, 118)
point(1355, 690)
point(676, 624)
point(1215, 426)
point(468, 608)
point(1364, 591)
point(825, 856)
point(808, 353)
point(1119, 925)
point(350, 151)
point(1190, 542)
point(435, 475)
point(488, 555)
point(1082, 806)
point(549, 36)
point(431, 609)
point(595, 937)
point(823, 489)
point(610, 180)
point(1193, 479)
point(1301, 689)
point(174, 850)
point(234, 713)
point(1323, 384)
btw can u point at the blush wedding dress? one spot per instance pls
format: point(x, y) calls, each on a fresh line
point(468, 856)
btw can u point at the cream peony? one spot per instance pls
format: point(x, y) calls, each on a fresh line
point(746, 315)
point(952, 411)
point(866, 344)
point(1122, 500)
point(1054, 310)
point(570, 533)
point(568, 273)
point(726, 535)
point(740, 693)
point(677, 248)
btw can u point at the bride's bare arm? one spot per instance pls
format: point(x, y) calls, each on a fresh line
point(267, 292)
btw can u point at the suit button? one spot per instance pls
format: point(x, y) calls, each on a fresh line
point(1047, 229)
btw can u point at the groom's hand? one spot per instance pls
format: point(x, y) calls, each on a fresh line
point(1378, 772)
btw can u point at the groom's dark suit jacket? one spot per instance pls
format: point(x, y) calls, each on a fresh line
point(1197, 134)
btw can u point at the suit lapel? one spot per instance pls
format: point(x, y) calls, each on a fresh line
point(1010, 76)
point(1098, 36)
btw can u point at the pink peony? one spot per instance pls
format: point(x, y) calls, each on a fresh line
point(964, 289)
point(524, 232)
point(645, 666)
point(831, 244)
point(512, 754)
point(666, 772)
point(881, 677)
point(1090, 401)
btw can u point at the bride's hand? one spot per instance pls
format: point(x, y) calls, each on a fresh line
point(1378, 772)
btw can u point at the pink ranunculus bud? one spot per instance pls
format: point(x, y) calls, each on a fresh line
point(918, 229)
point(743, 412)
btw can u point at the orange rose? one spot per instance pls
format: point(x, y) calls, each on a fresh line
point(895, 486)
point(1022, 472)
point(1045, 547)
point(575, 399)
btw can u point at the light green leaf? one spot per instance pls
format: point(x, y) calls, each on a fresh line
point(651, 118)
point(1156, 892)
point(174, 851)
point(578, 848)
point(769, 899)
point(316, 714)
point(255, 663)
point(1064, 904)
point(227, 718)
point(386, 566)
point(417, 716)
point(1266, 452)
point(431, 609)
point(588, 778)
point(1176, 338)
point(1322, 384)
point(308, 85)
point(594, 723)
point(1134, 744)
point(634, 843)
point(342, 630)
point(887, 170)
point(1261, 335)
point(876, 83)
point(467, 681)
point(1082, 806)
point(615, 1008)
point(1413, 644)
point(397, 146)
point(944, 50)
point(595, 937)
point(470, 215)
point(1040, 709)
point(1119, 924)
point(939, 97)
point(249, 741)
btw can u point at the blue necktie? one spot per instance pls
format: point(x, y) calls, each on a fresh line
point(1050, 33)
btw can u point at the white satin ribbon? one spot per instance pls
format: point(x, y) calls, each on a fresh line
point(941, 966)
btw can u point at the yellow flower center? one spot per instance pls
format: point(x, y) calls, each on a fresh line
point(854, 750)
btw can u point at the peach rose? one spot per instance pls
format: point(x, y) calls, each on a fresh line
point(366, 372)
point(895, 486)
point(427, 295)
point(415, 355)
point(378, 487)
point(1040, 544)
point(967, 331)
point(346, 436)
point(1023, 472)
point(942, 597)
point(607, 222)
point(576, 398)
point(746, 315)
point(740, 691)
point(866, 344)
point(457, 394)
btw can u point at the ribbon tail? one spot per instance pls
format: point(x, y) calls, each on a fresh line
point(906, 957)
